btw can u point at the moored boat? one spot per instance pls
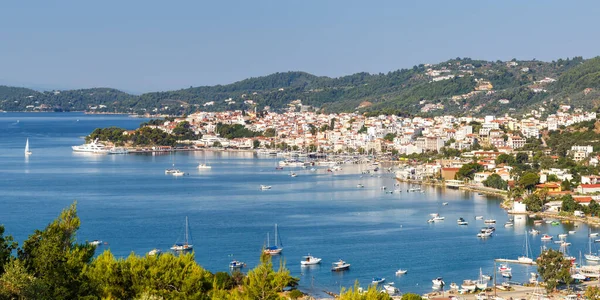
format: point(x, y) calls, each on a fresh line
point(95, 242)
point(462, 221)
point(310, 260)
point(468, 285)
point(92, 147)
point(401, 272)
point(276, 248)
point(265, 187)
point(490, 221)
point(234, 264)
point(186, 245)
point(340, 266)
point(154, 252)
point(377, 280)
point(438, 282)
point(546, 237)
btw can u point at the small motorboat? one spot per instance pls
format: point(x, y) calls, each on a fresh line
point(154, 252)
point(95, 242)
point(462, 221)
point(546, 237)
point(234, 264)
point(534, 232)
point(445, 203)
point(595, 234)
point(538, 222)
point(430, 221)
point(377, 280)
point(310, 260)
point(204, 166)
point(177, 173)
point(340, 266)
point(490, 221)
point(562, 235)
point(486, 277)
point(454, 286)
point(265, 187)
point(509, 224)
point(478, 217)
point(401, 272)
point(506, 274)
point(360, 186)
point(572, 231)
point(293, 174)
point(438, 218)
point(504, 268)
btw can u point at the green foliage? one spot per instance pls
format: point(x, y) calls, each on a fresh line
point(7, 245)
point(235, 131)
point(495, 181)
point(296, 294)
point(528, 180)
point(468, 171)
point(554, 268)
point(265, 283)
point(533, 202)
point(569, 204)
point(411, 296)
point(53, 257)
point(183, 131)
point(505, 159)
point(371, 293)
point(592, 293)
point(270, 132)
point(17, 283)
point(255, 144)
point(390, 137)
point(111, 134)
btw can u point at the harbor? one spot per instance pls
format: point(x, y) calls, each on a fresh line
point(129, 203)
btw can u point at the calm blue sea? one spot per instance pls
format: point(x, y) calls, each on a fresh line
point(128, 201)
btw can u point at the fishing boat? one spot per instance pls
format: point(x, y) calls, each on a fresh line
point(401, 272)
point(265, 187)
point(310, 260)
point(462, 221)
point(173, 171)
point(438, 218)
point(377, 280)
point(485, 232)
point(438, 282)
point(186, 244)
point(204, 166)
point(526, 259)
point(490, 221)
point(546, 237)
point(481, 282)
point(234, 264)
point(154, 252)
point(468, 285)
point(506, 274)
point(534, 232)
point(276, 248)
point(504, 268)
point(340, 266)
point(27, 152)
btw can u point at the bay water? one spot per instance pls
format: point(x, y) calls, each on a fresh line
point(128, 202)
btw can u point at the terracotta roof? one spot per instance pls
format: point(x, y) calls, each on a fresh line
point(582, 199)
point(589, 186)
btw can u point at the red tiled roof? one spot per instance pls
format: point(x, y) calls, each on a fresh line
point(582, 199)
point(589, 186)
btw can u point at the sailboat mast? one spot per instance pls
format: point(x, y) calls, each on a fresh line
point(268, 240)
point(276, 236)
point(186, 230)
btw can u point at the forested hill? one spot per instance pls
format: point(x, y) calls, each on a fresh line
point(457, 86)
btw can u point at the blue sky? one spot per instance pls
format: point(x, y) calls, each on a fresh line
point(142, 46)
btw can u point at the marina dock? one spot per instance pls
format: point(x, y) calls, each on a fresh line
point(514, 261)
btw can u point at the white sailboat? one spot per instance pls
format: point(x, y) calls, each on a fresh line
point(27, 152)
point(275, 249)
point(204, 165)
point(481, 283)
point(526, 259)
point(591, 256)
point(185, 245)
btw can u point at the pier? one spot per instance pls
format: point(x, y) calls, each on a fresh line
point(514, 261)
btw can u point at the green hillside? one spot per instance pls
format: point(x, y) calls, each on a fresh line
point(457, 86)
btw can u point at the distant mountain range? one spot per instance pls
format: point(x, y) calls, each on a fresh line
point(457, 86)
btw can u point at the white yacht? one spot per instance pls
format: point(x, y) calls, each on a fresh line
point(154, 252)
point(438, 282)
point(265, 187)
point(468, 285)
point(204, 166)
point(401, 272)
point(340, 266)
point(93, 147)
point(95, 242)
point(310, 260)
point(177, 173)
